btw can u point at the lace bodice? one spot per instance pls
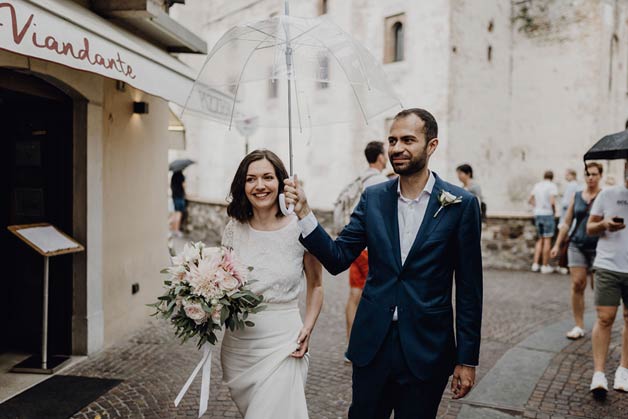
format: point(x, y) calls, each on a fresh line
point(276, 258)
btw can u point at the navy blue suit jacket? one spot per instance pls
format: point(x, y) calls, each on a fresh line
point(447, 247)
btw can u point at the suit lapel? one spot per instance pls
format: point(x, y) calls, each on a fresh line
point(391, 219)
point(429, 222)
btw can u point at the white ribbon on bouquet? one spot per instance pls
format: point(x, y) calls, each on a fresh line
point(206, 364)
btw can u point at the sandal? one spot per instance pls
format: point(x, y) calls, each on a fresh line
point(575, 333)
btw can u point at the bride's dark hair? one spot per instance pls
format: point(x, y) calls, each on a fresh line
point(239, 206)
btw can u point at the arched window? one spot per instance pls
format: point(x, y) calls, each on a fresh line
point(394, 40)
point(398, 41)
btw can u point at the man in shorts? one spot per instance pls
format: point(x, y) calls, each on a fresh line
point(609, 214)
point(543, 199)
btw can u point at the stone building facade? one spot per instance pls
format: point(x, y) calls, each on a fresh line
point(518, 87)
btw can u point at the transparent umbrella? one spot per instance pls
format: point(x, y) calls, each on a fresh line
point(290, 71)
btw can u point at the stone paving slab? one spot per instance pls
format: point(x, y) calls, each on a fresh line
point(511, 381)
point(474, 412)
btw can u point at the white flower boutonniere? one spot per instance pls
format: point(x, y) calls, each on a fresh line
point(445, 199)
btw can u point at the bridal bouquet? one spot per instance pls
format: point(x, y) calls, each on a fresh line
point(207, 289)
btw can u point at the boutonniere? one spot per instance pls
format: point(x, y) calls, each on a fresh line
point(445, 199)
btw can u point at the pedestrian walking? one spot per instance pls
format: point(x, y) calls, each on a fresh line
point(581, 246)
point(465, 175)
point(608, 221)
point(543, 199)
point(571, 187)
point(177, 189)
point(376, 158)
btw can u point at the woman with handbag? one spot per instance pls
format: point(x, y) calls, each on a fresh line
point(580, 247)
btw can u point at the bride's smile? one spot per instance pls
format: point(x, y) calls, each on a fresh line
point(262, 186)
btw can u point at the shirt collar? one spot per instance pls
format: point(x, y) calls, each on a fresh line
point(429, 186)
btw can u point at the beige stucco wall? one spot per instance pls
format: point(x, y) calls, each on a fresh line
point(126, 175)
point(134, 209)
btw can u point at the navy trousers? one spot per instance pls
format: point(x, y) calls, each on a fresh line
point(386, 385)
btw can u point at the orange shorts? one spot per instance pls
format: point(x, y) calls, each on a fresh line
point(359, 270)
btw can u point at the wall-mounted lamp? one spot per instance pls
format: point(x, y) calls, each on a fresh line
point(140, 107)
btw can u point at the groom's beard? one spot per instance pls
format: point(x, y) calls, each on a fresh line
point(415, 165)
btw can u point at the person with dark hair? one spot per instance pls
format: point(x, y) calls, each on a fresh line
point(376, 158)
point(581, 250)
point(543, 199)
point(265, 366)
point(422, 234)
point(177, 189)
point(465, 175)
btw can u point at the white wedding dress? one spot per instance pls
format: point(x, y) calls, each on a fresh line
point(264, 380)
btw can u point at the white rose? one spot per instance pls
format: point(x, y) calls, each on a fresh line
point(229, 283)
point(195, 312)
point(216, 313)
point(191, 253)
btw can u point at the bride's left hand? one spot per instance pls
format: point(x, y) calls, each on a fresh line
point(304, 342)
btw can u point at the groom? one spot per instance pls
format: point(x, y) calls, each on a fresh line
point(422, 233)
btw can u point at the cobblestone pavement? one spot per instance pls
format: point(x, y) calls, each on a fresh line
point(154, 366)
point(563, 391)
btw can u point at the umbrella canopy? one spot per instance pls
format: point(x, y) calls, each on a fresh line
point(312, 57)
point(180, 164)
point(610, 147)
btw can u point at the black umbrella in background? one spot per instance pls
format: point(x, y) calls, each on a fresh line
point(180, 164)
point(610, 147)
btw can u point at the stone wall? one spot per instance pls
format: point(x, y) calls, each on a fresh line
point(206, 221)
point(507, 240)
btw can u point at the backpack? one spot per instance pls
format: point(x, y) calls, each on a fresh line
point(347, 201)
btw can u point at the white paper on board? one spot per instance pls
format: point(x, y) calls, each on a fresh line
point(48, 239)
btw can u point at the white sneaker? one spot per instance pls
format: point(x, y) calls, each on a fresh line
point(546, 269)
point(535, 267)
point(576, 333)
point(599, 384)
point(621, 379)
point(563, 271)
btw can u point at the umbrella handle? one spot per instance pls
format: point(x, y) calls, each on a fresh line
point(282, 205)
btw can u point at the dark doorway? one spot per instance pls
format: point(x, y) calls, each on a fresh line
point(37, 186)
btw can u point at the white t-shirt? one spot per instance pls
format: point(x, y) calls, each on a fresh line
point(612, 247)
point(542, 192)
point(570, 189)
point(372, 177)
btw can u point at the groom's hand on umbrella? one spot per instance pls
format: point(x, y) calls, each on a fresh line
point(463, 381)
point(295, 195)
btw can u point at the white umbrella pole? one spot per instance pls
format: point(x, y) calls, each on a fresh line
point(282, 199)
point(289, 71)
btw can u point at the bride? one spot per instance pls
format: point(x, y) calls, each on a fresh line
point(265, 366)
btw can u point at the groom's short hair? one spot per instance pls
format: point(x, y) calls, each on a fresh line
point(430, 128)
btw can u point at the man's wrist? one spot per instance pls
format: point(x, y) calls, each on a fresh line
point(304, 211)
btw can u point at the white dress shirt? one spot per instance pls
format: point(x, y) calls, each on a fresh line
point(410, 213)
